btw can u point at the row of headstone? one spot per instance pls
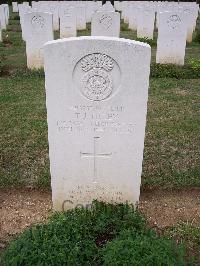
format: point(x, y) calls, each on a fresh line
point(141, 17)
point(175, 22)
point(37, 28)
point(63, 10)
point(173, 26)
point(84, 10)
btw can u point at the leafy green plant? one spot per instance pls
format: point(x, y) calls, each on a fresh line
point(25, 72)
point(135, 249)
point(124, 27)
point(93, 236)
point(194, 64)
point(188, 71)
point(197, 37)
point(17, 17)
point(151, 42)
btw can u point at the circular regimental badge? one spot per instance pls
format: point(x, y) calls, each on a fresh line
point(97, 76)
point(38, 22)
point(174, 21)
point(97, 85)
point(106, 21)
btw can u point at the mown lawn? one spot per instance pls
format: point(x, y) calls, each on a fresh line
point(172, 134)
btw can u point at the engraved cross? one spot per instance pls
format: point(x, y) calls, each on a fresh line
point(95, 155)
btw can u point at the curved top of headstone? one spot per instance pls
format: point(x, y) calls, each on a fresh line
point(99, 38)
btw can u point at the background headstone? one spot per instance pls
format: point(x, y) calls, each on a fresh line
point(15, 7)
point(39, 30)
point(1, 39)
point(3, 17)
point(67, 22)
point(105, 24)
point(23, 9)
point(80, 17)
point(145, 23)
point(171, 40)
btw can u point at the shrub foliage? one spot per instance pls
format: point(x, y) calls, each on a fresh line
point(105, 234)
point(191, 70)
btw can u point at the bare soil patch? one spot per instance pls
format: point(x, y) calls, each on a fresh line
point(166, 208)
point(21, 208)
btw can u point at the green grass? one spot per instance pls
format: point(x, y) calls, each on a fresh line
point(171, 145)
point(24, 134)
point(105, 234)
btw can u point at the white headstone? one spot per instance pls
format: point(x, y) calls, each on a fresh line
point(7, 13)
point(190, 17)
point(54, 9)
point(23, 9)
point(96, 95)
point(34, 4)
point(15, 6)
point(105, 24)
point(2, 17)
point(133, 17)
point(1, 39)
point(145, 23)
point(171, 40)
point(39, 30)
point(80, 17)
point(125, 11)
point(117, 5)
point(67, 22)
point(26, 3)
point(91, 7)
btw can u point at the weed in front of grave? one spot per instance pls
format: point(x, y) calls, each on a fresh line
point(186, 231)
point(194, 64)
point(104, 234)
point(130, 248)
point(189, 235)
